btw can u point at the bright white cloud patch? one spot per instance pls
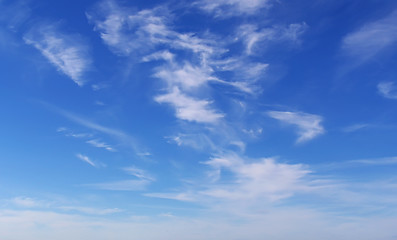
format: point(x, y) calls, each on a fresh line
point(308, 125)
point(262, 179)
point(372, 37)
point(66, 52)
point(190, 109)
point(123, 185)
point(187, 77)
point(127, 31)
point(388, 90)
point(91, 211)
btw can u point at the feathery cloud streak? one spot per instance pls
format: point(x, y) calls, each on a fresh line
point(261, 179)
point(308, 125)
point(66, 52)
point(123, 185)
point(252, 36)
point(148, 33)
point(86, 159)
point(227, 8)
point(121, 136)
point(371, 38)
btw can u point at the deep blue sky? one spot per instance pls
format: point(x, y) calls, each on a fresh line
point(222, 119)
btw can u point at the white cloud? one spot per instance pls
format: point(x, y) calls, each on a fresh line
point(97, 143)
point(190, 109)
point(161, 55)
point(123, 185)
point(174, 196)
point(388, 90)
point(234, 179)
point(187, 77)
point(375, 161)
point(123, 137)
point(226, 8)
point(25, 202)
point(246, 73)
point(91, 211)
point(252, 36)
point(264, 179)
point(309, 125)
point(86, 159)
point(66, 52)
point(197, 141)
point(139, 173)
point(70, 133)
point(371, 38)
point(290, 223)
point(356, 127)
point(127, 31)
point(99, 86)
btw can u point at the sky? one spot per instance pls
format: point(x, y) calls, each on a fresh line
point(201, 119)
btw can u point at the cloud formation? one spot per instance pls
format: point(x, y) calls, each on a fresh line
point(86, 159)
point(97, 143)
point(190, 109)
point(65, 51)
point(252, 36)
point(371, 38)
point(264, 179)
point(308, 125)
point(227, 8)
point(123, 185)
point(388, 90)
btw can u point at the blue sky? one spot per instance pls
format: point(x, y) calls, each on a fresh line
point(221, 119)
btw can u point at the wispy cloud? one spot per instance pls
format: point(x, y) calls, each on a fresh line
point(139, 173)
point(161, 55)
point(187, 77)
point(356, 127)
point(371, 38)
point(190, 109)
point(233, 180)
point(127, 31)
point(375, 161)
point(188, 197)
point(264, 178)
point(388, 90)
point(66, 52)
point(97, 143)
point(308, 125)
point(252, 36)
point(123, 185)
point(91, 211)
point(121, 136)
point(70, 133)
point(26, 202)
point(15, 13)
point(86, 159)
point(227, 8)
point(290, 223)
